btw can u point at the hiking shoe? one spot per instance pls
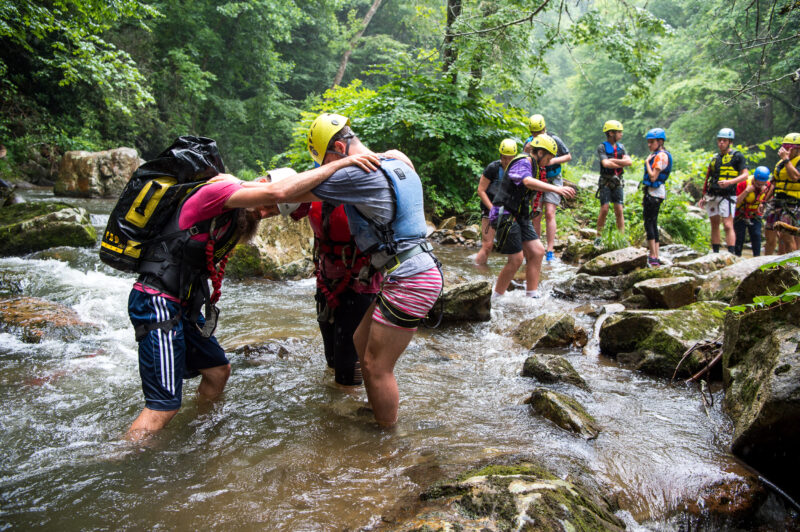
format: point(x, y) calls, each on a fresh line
point(549, 257)
point(653, 262)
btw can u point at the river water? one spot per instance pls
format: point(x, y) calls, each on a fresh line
point(285, 449)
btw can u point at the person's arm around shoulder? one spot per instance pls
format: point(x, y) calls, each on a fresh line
point(397, 154)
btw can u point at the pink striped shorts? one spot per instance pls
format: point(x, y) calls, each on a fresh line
point(404, 301)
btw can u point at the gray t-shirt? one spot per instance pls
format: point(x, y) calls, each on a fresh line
point(371, 194)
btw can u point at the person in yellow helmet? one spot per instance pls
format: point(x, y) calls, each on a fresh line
point(386, 216)
point(549, 201)
point(511, 213)
point(785, 203)
point(613, 161)
point(487, 188)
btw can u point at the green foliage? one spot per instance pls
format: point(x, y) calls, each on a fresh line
point(789, 295)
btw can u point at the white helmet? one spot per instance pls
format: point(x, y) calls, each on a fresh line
point(273, 176)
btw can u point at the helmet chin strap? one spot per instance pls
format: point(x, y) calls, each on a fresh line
point(346, 147)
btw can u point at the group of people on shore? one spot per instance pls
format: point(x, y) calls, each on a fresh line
point(517, 189)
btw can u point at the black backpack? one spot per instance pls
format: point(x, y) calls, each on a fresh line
point(152, 196)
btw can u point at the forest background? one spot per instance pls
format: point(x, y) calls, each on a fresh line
point(442, 80)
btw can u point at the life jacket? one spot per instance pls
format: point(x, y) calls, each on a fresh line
point(721, 168)
point(408, 220)
point(612, 150)
point(514, 198)
point(181, 266)
point(751, 207)
point(784, 187)
point(334, 246)
point(552, 170)
point(662, 176)
point(491, 190)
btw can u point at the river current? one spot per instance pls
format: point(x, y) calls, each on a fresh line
point(285, 449)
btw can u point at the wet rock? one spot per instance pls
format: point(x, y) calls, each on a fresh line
point(661, 337)
point(616, 262)
point(581, 336)
point(761, 373)
point(579, 251)
point(7, 194)
point(584, 285)
point(448, 223)
point(467, 302)
point(472, 232)
point(721, 284)
point(669, 292)
point(728, 504)
point(28, 227)
point(590, 309)
point(280, 250)
point(37, 319)
point(521, 496)
point(96, 174)
point(709, 263)
point(636, 302)
point(677, 253)
point(549, 369)
point(449, 240)
point(564, 411)
point(546, 330)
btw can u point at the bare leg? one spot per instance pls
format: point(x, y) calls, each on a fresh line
point(213, 381)
point(534, 253)
point(620, 217)
point(149, 421)
point(487, 239)
point(730, 235)
point(770, 241)
point(537, 224)
point(601, 219)
point(507, 273)
point(550, 221)
point(714, 228)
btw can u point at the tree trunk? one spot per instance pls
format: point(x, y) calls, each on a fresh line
point(449, 52)
point(354, 41)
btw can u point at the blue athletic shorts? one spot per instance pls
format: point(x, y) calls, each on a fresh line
point(168, 357)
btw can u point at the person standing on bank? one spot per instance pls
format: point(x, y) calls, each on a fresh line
point(727, 169)
point(610, 189)
point(750, 198)
point(385, 212)
point(550, 200)
point(487, 188)
point(785, 204)
point(164, 304)
point(511, 215)
point(657, 168)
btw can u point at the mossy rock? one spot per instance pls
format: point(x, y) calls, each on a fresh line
point(663, 336)
point(667, 292)
point(578, 251)
point(546, 330)
point(467, 302)
point(564, 411)
point(616, 262)
point(722, 284)
point(35, 320)
point(35, 226)
point(549, 369)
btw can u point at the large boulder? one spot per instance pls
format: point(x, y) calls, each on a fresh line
point(710, 262)
point(41, 164)
point(34, 226)
point(721, 284)
point(96, 174)
point(616, 262)
point(761, 373)
point(564, 411)
point(654, 341)
point(550, 369)
point(582, 285)
point(281, 249)
point(467, 302)
point(519, 496)
point(668, 292)
point(35, 320)
point(546, 330)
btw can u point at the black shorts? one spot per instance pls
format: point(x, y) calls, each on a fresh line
point(510, 242)
point(611, 195)
point(337, 337)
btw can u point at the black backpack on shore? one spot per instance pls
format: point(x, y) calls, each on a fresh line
point(153, 194)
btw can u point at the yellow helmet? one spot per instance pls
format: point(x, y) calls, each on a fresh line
point(791, 138)
point(322, 130)
point(508, 147)
point(545, 142)
point(612, 125)
point(536, 123)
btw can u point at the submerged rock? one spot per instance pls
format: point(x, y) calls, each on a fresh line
point(654, 341)
point(546, 330)
point(668, 292)
point(549, 369)
point(96, 174)
point(29, 227)
point(37, 319)
point(281, 249)
point(467, 302)
point(721, 284)
point(522, 496)
point(616, 262)
point(564, 411)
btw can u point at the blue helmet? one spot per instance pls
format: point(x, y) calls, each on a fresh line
point(725, 133)
point(761, 174)
point(656, 133)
